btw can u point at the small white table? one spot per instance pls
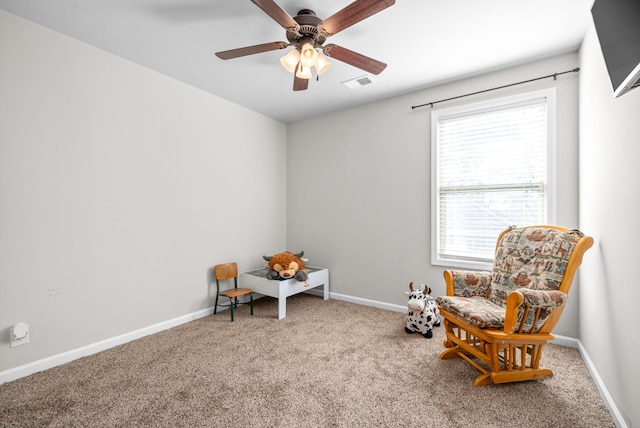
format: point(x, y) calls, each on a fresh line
point(281, 289)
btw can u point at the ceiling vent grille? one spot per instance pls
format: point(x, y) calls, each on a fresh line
point(358, 82)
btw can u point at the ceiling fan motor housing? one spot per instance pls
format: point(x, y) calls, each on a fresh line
point(308, 22)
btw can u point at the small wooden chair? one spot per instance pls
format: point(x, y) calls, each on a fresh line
point(226, 271)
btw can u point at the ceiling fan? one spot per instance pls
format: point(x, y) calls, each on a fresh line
point(306, 33)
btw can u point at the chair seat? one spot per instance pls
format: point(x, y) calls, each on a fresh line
point(235, 292)
point(476, 310)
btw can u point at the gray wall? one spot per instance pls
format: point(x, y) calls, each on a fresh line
point(609, 210)
point(119, 189)
point(359, 185)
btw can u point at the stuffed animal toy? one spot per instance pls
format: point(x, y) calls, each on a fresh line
point(286, 266)
point(423, 313)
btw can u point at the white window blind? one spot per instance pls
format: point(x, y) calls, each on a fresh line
point(491, 167)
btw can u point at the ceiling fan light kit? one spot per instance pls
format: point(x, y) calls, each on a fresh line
point(304, 60)
point(307, 33)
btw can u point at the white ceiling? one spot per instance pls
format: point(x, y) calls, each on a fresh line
point(424, 43)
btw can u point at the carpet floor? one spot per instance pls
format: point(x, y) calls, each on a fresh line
point(327, 364)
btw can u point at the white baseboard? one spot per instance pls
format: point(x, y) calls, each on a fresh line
point(604, 393)
point(65, 357)
point(367, 302)
point(569, 342)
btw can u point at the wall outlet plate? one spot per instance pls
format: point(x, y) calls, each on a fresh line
point(18, 335)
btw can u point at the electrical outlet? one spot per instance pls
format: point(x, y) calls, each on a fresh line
point(19, 334)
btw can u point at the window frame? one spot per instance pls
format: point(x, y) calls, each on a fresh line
point(550, 179)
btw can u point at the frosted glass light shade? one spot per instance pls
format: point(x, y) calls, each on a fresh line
point(290, 60)
point(322, 64)
point(304, 72)
point(308, 56)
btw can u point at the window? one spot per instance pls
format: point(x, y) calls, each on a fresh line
point(492, 167)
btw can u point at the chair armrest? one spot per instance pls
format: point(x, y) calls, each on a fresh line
point(526, 300)
point(548, 299)
point(466, 283)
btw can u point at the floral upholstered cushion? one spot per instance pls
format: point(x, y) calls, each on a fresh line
point(543, 299)
point(483, 313)
point(471, 283)
point(534, 299)
point(531, 260)
point(477, 310)
point(531, 257)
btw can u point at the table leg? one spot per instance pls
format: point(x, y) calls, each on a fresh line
point(282, 307)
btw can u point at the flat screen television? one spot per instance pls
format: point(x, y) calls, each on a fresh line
point(617, 24)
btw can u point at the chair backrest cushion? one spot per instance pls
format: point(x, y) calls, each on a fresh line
point(531, 257)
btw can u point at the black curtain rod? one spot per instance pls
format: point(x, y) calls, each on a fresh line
point(554, 75)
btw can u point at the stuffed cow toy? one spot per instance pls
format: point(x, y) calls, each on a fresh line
point(286, 265)
point(423, 313)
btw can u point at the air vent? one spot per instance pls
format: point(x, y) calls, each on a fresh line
point(358, 81)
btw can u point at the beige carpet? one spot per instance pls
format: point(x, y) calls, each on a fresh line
point(328, 364)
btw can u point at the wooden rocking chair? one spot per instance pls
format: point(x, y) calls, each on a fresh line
point(499, 321)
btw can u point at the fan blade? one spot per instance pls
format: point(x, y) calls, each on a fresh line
point(353, 58)
point(300, 84)
point(352, 14)
point(250, 50)
point(277, 14)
